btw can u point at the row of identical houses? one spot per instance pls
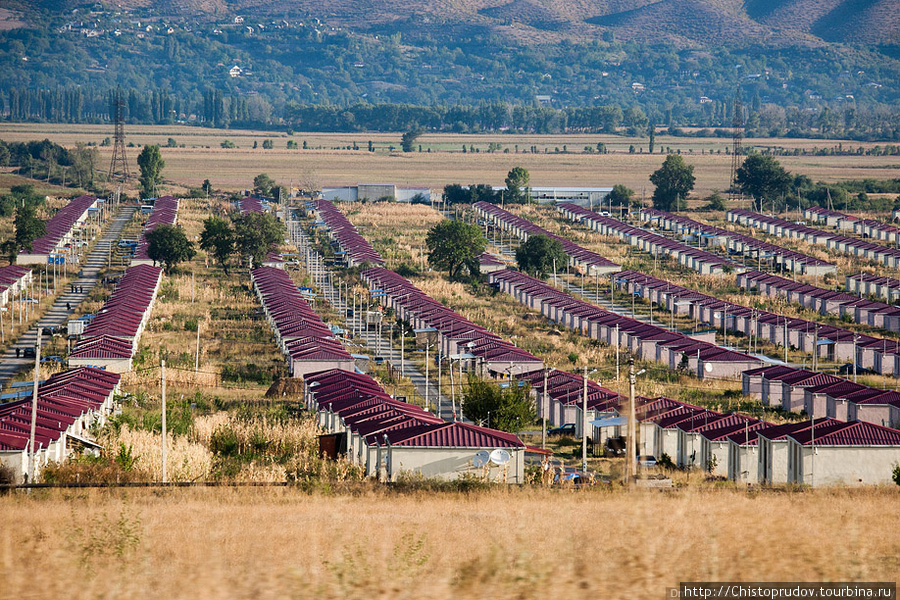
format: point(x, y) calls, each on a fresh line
point(14, 281)
point(867, 228)
point(816, 452)
point(582, 259)
point(746, 246)
point(869, 352)
point(69, 404)
point(694, 353)
point(821, 395)
point(691, 257)
point(828, 342)
point(109, 339)
point(64, 232)
point(307, 343)
point(353, 248)
point(388, 437)
point(860, 248)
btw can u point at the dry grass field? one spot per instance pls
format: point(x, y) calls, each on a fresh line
point(328, 162)
point(517, 544)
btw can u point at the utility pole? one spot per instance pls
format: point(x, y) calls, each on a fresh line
point(617, 353)
point(631, 446)
point(34, 400)
point(427, 347)
point(162, 373)
point(584, 424)
point(197, 356)
point(544, 412)
point(815, 360)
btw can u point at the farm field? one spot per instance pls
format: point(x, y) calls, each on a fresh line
point(328, 162)
point(532, 543)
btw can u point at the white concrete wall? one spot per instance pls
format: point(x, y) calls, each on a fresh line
point(773, 461)
point(842, 465)
point(451, 463)
point(743, 463)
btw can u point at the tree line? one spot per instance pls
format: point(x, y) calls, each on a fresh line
point(222, 109)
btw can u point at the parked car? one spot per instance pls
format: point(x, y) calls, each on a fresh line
point(567, 429)
point(646, 460)
point(379, 360)
point(614, 447)
point(28, 352)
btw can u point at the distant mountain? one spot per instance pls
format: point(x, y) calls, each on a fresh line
point(684, 22)
point(848, 21)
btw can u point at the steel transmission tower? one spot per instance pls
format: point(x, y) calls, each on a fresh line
point(118, 166)
point(737, 140)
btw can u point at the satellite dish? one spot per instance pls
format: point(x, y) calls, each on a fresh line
point(500, 456)
point(481, 458)
point(707, 367)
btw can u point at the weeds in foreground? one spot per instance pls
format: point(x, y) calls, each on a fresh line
point(102, 538)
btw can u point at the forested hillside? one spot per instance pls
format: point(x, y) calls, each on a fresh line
point(458, 65)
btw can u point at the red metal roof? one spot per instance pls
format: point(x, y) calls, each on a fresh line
point(453, 435)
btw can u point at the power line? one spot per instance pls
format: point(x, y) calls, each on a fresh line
point(118, 166)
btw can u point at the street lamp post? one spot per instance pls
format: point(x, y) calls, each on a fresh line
point(584, 421)
point(631, 456)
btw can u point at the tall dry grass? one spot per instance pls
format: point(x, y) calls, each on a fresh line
point(186, 459)
point(281, 543)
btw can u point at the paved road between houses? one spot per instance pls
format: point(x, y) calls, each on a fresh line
point(377, 345)
point(57, 314)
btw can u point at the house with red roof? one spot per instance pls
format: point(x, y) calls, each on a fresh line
point(835, 453)
point(68, 405)
point(772, 467)
point(388, 436)
point(448, 450)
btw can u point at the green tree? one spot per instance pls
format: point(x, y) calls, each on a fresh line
point(9, 250)
point(454, 246)
point(207, 186)
point(263, 184)
point(619, 196)
point(268, 144)
point(517, 185)
point(407, 142)
point(482, 192)
point(456, 194)
point(673, 180)
point(218, 239)
point(28, 226)
point(151, 164)
point(762, 178)
point(538, 255)
point(84, 162)
point(652, 134)
point(715, 203)
point(169, 246)
point(635, 120)
point(256, 233)
point(504, 409)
